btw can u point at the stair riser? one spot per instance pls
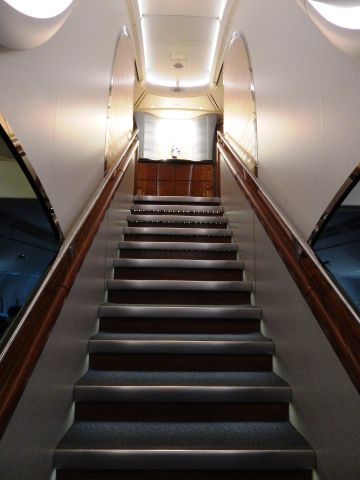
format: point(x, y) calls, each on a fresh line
point(176, 238)
point(187, 213)
point(179, 412)
point(178, 325)
point(180, 362)
point(183, 475)
point(190, 254)
point(177, 274)
point(179, 297)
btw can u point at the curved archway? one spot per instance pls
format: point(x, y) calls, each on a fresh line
point(25, 25)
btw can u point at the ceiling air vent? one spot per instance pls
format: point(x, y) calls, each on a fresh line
point(178, 60)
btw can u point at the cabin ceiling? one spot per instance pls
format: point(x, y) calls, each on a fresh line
point(179, 48)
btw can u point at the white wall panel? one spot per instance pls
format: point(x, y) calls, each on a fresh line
point(55, 97)
point(307, 106)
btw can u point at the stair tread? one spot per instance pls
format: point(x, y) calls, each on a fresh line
point(182, 379)
point(253, 343)
point(178, 263)
point(177, 208)
point(178, 231)
point(208, 285)
point(179, 311)
point(216, 436)
point(185, 337)
point(177, 219)
point(216, 246)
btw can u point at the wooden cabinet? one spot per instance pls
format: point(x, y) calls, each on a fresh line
point(175, 177)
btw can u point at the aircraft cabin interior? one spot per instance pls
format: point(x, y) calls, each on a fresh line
point(179, 240)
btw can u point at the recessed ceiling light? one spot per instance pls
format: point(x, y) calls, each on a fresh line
point(151, 106)
point(40, 8)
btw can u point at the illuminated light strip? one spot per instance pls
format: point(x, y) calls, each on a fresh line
point(222, 10)
point(214, 45)
point(345, 17)
point(153, 80)
point(40, 8)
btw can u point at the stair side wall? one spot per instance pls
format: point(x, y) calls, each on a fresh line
point(325, 406)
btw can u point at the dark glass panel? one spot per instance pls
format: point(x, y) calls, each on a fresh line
point(29, 236)
point(337, 244)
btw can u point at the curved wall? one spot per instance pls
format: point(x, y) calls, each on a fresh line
point(308, 106)
point(55, 97)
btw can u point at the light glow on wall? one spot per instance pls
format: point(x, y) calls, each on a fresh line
point(40, 8)
point(342, 16)
point(172, 134)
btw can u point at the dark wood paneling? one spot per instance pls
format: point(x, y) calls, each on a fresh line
point(203, 173)
point(184, 172)
point(166, 171)
point(146, 171)
point(176, 178)
point(146, 187)
point(202, 189)
point(165, 187)
point(338, 322)
point(183, 188)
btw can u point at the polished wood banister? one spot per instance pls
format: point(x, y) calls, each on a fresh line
point(334, 314)
point(23, 349)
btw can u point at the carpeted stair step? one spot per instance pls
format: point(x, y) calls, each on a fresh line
point(114, 351)
point(183, 445)
point(181, 396)
point(150, 209)
point(180, 221)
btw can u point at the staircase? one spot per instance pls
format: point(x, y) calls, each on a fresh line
point(180, 382)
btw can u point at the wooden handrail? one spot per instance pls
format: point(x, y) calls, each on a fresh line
point(23, 349)
point(335, 316)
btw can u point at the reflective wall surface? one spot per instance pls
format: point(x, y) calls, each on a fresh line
point(29, 235)
point(240, 123)
point(120, 106)
point(337, 241)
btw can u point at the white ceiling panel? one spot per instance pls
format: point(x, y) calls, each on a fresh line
point(180, 28)
point(187, 30)
point(193, 8)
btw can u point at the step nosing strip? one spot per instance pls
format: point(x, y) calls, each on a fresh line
point(182, 285)
point(181, 311)
point(178, 263)
point(189, 246)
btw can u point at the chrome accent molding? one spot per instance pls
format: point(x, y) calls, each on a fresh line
point(177, 263)
point(208, 232)
point(189, 246)
point(180, 311)
point(210, 285)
